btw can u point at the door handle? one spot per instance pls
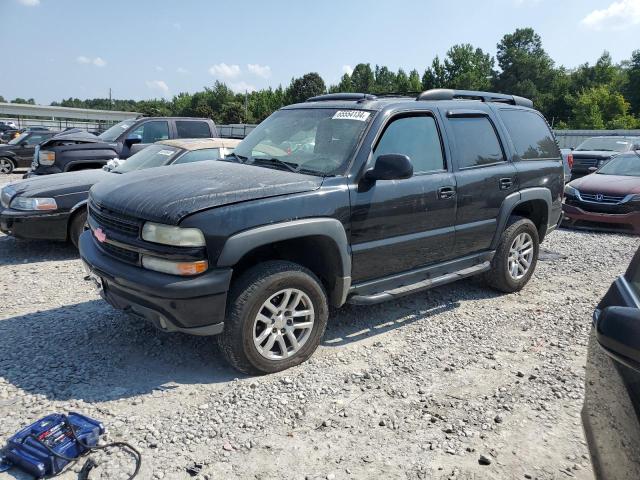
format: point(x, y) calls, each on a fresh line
point(446, 192)
point(506, 183)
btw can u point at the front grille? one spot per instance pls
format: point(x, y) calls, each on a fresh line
point(115, 222)
point(601, 198)
point(123, 254)
point(584, 163)
point(601, 207)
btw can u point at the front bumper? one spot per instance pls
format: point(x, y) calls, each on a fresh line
point(34, 225)
point(194, 305)
point(624, 222)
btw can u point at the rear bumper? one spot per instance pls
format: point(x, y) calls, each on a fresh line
point(193, 305)
point(34, 225)
point(626, 222)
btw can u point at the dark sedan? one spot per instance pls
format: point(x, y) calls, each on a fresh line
point(18, 153)
point(612, 389)
point(53, 207)
point(608, 199)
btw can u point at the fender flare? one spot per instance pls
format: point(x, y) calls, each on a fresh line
point(518, 198)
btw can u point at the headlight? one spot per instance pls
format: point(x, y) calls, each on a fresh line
point(569, 190)
point(26, 203)
point(45, 157)
point(6, 194)
point(170, 235)
point(174, 268)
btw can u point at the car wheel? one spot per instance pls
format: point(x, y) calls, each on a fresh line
point(6, 165)
point(77, 226)
point(277, 314)
point(516, 256)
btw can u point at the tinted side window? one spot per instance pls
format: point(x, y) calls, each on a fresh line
point(192, 129)
point(476, 141)
point(198, 155)
point(37, 138)
point(417, 137)
point(150, 132)
point(530, 134)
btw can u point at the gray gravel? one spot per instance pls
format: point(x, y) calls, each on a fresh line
point(459, 382)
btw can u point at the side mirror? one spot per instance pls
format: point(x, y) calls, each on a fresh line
point(573, 148)
point(636, 147)
point(593, 169)
point(23, 144)
point(390, 167)
point(132, 140)
point(618, 332)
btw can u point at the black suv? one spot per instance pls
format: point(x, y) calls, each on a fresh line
point(79, 150)
point(343, 198)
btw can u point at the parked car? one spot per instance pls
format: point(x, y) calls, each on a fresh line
point(395, 196)
point(596, 151)
point(79, 150)
point(19, 151)
point(608, 199)
point(54, 207)
point(567, 163)
point(611, 410)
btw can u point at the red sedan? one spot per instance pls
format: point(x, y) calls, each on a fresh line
point(608, 199)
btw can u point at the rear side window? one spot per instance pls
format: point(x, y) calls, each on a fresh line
point(151, 132)
point(198, 155)
point(417, 137)
point(476, 142)
point(530, 134)
point(192, 129)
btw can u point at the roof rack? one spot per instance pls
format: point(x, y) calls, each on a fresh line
point(449, 94)
point(361, 97)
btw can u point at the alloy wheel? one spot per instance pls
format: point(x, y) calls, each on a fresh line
point(5, 165)
point(520, 256)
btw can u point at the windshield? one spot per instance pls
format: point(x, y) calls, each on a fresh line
point(318, 141)
point(151, 156)
point(19, 138)
point(606, 145)
point(112, 134)
point(627, 165)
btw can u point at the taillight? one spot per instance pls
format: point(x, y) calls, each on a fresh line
point(570, 160)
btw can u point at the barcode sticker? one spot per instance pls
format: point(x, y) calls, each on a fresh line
point(359, 115)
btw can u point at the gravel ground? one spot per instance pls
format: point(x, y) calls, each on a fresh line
point(458, 382)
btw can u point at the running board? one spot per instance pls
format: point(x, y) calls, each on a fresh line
point(419, 286)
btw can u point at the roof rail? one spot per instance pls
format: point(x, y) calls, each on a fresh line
point(449, 94)
point(342, 96)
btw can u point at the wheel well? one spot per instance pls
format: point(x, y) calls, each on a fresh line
point(10, 159)
point(317, 253)
point(536, 211)
point(73, 216)
point(84, 166)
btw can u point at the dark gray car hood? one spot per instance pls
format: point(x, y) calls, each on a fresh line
point(60, 183)
point(168, 194)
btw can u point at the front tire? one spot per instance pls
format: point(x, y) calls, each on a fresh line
point(277, 314)
point(6, 165)
point(77, 226)
point(516, 256)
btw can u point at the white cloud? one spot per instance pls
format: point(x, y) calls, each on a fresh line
point(159, 68)
point(617, 16)
point(99, 62)
point(347, 69)
point(242, 86)
point(159, 85)
point(30, 3)
point(263, 71)
point(83, 59)
point(177, 26)
point(182, 70)
point(222, 70)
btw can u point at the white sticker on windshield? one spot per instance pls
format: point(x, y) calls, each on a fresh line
point(622, 143)
point(351, 115)
point(165, 152)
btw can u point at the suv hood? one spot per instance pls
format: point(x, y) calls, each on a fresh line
point(616, 185)
point(60, 183)
point(168, 194)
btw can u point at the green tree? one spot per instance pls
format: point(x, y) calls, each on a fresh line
point(415, 84)
point(468, 68)
point(402, 82)
point(30, 101)
point(362, 79)
point(307, 86)
point(632, 88)
point(600, 107)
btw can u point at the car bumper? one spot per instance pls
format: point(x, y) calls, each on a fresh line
point(193, 305)
point(34, 225)
point(625, 222)
point(40, 170)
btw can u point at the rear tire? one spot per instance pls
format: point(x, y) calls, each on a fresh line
point(276, 317)
point(77, 226)
point(516, 256)
point(6, 165)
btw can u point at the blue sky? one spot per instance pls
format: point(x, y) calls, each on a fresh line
point(54, 49)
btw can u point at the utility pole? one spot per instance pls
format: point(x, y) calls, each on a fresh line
point(110, 98)
point(246, 104)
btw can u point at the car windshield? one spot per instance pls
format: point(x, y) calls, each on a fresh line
point(112, 134)
point(318, 141)
point(151, 156)
point(627, 165)
point(19, 138)
point(606, 145)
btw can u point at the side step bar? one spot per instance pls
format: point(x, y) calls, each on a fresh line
point(416, 287)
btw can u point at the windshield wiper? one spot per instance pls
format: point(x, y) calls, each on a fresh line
point(239, 158)
point(292, 167)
